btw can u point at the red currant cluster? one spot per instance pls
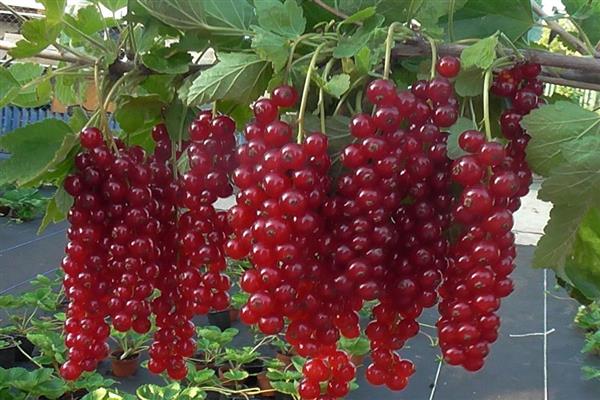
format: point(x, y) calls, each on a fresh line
point(493, 178)
point(111, 254)
point(193, 281)
point(126, 239)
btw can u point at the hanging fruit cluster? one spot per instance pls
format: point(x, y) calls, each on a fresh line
point(402, 225)
point(135, 228)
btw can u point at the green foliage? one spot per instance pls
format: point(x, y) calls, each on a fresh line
point(237, 76)
point(24, 203)
point(33, 148)
point(173, 391)
point(481, 54)
point(19, 383)
point(585, 13)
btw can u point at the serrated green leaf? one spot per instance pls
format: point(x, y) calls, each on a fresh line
point(481, 18)
point(586, 14)
point(237, 76)
point(552, 125)
point(70, 91)
point(348, 46)
point(68, 144)
point(9, 87)
point(54, 9)
point(228, 15)
point(560, 231)
point(285, 387)
point(136, 112)
point(469, 82)
point(337, 85)
point(161, 85)
point(38, 34)
point(583, 265)
point(88, 20)
point(236, 375)
point(34, 95)
point(165, 60)
point(271, 47)
point(177, 119)
point(481, 54)
point(360, 15)
point(32, 147)
point(113, 5)
point(78, 119)
point(362, 60)
point(286, 19)
point(462, 124)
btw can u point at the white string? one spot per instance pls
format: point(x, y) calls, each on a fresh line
point(437, 376)
point(545, 336)
point(515, 335)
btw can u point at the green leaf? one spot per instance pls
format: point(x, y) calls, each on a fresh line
point(161, 85)
point(362, 60)
point(481, 54)
point(9, 87)
point(213, 15)
point(481, 18)
point(54, 9)
point(88, 20)
point(553, 125)
point(69, 142)
point(590, 372)
point(237, 76)
point(38, 34)
point(271, 47)
point(141, 111)
point(56, 209)
point(32, 148)
point(177, 119)
point(78, 119)
point(469, 82)
point(555, 245)
point(167, 61)
point(337, 85)
point(583, 265)
point(348, 46)
point(462, 124)
point(69, 91)
point(35, 95)
point(113, 5)
point(236, 375)
point(286, 19)
point(586, 14)
point(360, 16)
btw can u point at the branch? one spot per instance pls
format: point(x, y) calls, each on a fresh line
point(579, 71)
point(567, 37)
point(567, 82)
point(332, 10)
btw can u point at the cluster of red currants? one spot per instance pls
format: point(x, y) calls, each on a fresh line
point(493, 177)
point(135, 228)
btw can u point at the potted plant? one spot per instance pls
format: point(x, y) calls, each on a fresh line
point(7, 352)
point(262, 378)
point(245, 359)
point(285, 380)
point(211, 346)
point(357, 348)
point(283, 350)
point(237, 302)
point(125, 359)
point(220, 318)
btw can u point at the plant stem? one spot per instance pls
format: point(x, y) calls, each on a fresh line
point(451, 8)
point(311, 67)
point(389, 43)
point(86, 36)
point(289, 64)
point(486, 103)
point(510, 44)
point(332, 10)
point(433, 56)
point(326, 71)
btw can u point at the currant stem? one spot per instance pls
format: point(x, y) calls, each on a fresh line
point(389, 43)
point(433, 56)
point(486, 103)
point(305, 90)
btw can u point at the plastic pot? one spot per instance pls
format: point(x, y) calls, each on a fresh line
point(124, 368)
point(7, 357)
point(253, 368)
point(26, 346)
point(264, 383)
point(282, 396)
point(221, 319)
point(357, 359)
point(286, 359)
point(200, 365)
point(234, 314)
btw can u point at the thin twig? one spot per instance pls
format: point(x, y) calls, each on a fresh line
point(567, 37)
point(332, 10)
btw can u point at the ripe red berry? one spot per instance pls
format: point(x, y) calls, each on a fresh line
point(448, 66)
